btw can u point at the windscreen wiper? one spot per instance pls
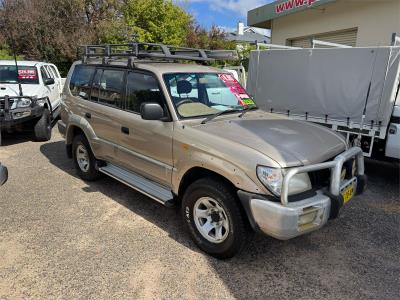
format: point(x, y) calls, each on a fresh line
point(248, 108)
point(222, 112)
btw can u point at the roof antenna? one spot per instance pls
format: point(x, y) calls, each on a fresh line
point(16, 66)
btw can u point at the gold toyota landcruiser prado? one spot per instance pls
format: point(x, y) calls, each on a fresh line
point(189, 135)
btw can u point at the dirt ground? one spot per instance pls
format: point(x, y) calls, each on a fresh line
point(63, 238)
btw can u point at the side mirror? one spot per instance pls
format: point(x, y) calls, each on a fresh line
point(49, 81)
point(151, 111)
point(3, 175)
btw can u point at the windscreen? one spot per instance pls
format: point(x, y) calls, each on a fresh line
point(201, 94)
point(25, 75)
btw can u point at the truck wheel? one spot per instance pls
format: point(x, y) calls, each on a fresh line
point(84, 160)
point(42, 128)
point(214, 218)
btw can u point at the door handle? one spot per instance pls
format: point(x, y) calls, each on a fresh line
point(88, 115)
point(125, 130)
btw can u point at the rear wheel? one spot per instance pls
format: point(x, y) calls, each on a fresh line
point(214, 218)
point(42, 128)
point(84, 160)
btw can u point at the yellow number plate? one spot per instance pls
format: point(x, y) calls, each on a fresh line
point(348, 193)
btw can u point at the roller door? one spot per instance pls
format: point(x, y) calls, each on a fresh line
point(344, 37)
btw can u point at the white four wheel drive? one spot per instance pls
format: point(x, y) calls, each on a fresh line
point(30, 96)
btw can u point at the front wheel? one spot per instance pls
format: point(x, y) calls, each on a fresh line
point(214, 218)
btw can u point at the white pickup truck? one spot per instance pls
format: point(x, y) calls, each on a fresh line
point(30, 96)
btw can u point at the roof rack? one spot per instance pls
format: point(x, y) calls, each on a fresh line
point(135, 51)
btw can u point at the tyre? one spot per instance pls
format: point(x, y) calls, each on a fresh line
point(84, 160)
point(214, 219)
point(42, 128)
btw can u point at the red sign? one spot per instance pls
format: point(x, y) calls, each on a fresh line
point(27, 74)
point(236, 89)
point(292, 4)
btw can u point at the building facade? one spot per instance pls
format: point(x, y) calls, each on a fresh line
point(351, 22)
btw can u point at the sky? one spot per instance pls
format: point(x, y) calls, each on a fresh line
point(223, 13)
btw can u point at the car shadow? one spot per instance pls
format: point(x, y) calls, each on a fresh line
point(166, 218)
point(316, 265)
point(19, 137)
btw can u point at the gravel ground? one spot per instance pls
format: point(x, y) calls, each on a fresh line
point(63, 238)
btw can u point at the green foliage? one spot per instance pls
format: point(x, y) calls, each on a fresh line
point(156, 21)
point(214, 39)
point(6, 54)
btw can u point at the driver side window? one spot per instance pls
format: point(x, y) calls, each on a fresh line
point(140, 88)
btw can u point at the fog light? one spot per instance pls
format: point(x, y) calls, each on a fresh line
point(307, 217)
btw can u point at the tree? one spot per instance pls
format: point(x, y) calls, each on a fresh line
point(156, 21)
point(51, 30)
point(214, 39)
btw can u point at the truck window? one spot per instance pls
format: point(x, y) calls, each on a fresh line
point(94, 95)
point(45, 74)
point(108, 88)
point(142, 88)
point(26, 75)
point(79, 84)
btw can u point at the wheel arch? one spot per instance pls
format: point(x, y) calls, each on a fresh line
point(196, 173)
point(72, 132)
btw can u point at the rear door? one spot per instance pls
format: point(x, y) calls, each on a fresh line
point(105, 103)
point(145, 146)
point(98, 94)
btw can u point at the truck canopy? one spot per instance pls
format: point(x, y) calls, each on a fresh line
point(328, 85)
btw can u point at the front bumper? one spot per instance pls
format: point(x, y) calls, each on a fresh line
point(10, 117)
point(285, 220)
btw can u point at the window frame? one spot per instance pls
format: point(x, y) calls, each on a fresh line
point(168, 115)
point(55, 71)
point(43, 68)
point(173, 103)
point(89, 82)
point(123, 89)
point(149, 73)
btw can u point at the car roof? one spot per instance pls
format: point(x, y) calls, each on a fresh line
point(28, 63)
point(163, 67)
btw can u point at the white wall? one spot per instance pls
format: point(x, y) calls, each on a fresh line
point(376, 20)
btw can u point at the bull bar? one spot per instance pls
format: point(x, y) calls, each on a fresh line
point(335, 166)
point(6, 113)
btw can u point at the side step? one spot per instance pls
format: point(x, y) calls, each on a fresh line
point(139, 183)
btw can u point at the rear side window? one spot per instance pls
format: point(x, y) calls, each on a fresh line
point(108, 87)
point(142, 88)
point(80, 81)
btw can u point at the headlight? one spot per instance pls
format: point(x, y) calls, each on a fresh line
point(24, 102)
point(272, 178)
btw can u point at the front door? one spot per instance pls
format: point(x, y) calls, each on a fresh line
point(51, 90)
point(145, 146)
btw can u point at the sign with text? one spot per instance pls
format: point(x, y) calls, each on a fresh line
point(281, 8)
